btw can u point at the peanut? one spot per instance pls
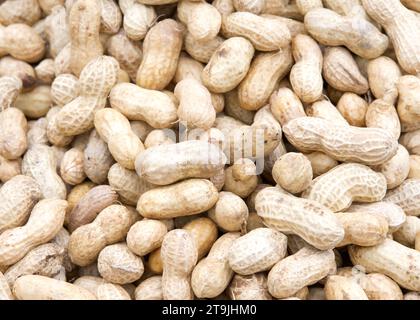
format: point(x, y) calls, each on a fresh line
point(20, 11)
point(406, 234)
point(285, 106)
point(9, 169)
point(45, 221)
point(321, 163)
point(204, 233)
point(353, 108)
point(10, 87)
point(326, 110)
point(13, 141)
point(5, 292)
point(252, 287)
point(110, 17)
point(342, 288)
point(138, 18)
point(150, 289)
point(64, 89)
point(408, 101)
point(109, 291)
point(145, 236)
point(384, 68)
point(406, 196)
point(201, 51)
point(57, 30)
point(312, 221)
point(24, 71)
point(71, 167)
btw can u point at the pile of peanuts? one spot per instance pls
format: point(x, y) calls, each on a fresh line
point(189, 149)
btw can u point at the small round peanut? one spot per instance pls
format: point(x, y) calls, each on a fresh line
point(145, 236)
point(342, 288)
point(150, 289)
point(353, 108)
point(71, 167)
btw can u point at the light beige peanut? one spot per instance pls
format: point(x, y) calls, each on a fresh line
point(389, 258)
point(109, 291)
point(310, 220)
point(184, 198)
point(151, 106)
point(145, 236)
point(159, 64)
point(71, 168)
point(126, 52)
point(396, 169)
point(353, 108)
point(203, 21)
point(36, 103)
point(44, 260)
point(13, 140)
point(64, 89)
point(20, 11)
point(393, 214)
point(401, 25)
point(264, 73)
point(265, 34)
point(158, 137)
point(362, 228)
point(10, 66)
point(39, 162)
point(84, 23)
point(195, 105)
point(304, 6)
point(76, 193)
point(9, 168)
point(341, 143)
point(95, 81)
point(204, 232)
point(21, 42)
point(117, 264)
point(250, 202)
point(382, 114)
point(90, 283)
point(97, 160)
point(150, 289)
point(306, 267)
point(306, 74)
point(45, 221)
point(62, 61)
point(342, 288)
point(408, 101)
point(411, 141)
point(179, 256)
point(212, 275)
point(115, 130)
point(406, 234)
point(110, 226)
point(356, 33)
point(406, 196)
point(286, 105)
point(37, 132)
point(341, 71)
point(138, 18)
point(414, 172)
point(257, 251)
point(154, 263)
point(5, 292)
point(384, 68)
point(57, 30)
point(10, 87)
point(166, 164)
point(293, 172)
point(36, 287)
point(320, 163)
point(111, 16)
point(324, 109)
point(18, 196)
point(199, 50)
point(252, 287)
point(233, 108)
point(141, 129)
point(45, 71)
point(230, 212)
point(54, 136)
point(342, 185)
point(90, 205)
point(228, 65)
point(241, 178)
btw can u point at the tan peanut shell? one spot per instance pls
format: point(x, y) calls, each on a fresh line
point(71, 167)
point(408, 110)
point(151, 106)
point(212, 275)
point(10, 87)
point(45, 71)
point(265, 71)
point(92, 203)
point(64, 89)
point(149, 289)
point(310, 220)
point(145, 236)
point(44, 260)
point(306, 74)
point(228, 65)
point(340, 71)
point(301, 269)
point(159, 64)
point(18, 196)
point(13, 140)
point(37, 132)
point(110, 226)
point(233, 108)
point(353, 108)
point(84, 23)
point(341, 143)
point(39, 163)
point(286, 105)
point(357, 34)
point(109, 291)
point(257, 251)
point(265, 34)
point(204, 232)
point(179, 256)
point(406, 196)
point(342, 185)
point(383, 68)
point(199, 50)
point(411, 141)
point(184, 198)
point(324, 109)
point(321, 163)
point(244, 184)
point(414, 167)
point(252, 287)
point(10, 66)
point(35, 103)
point(117, 264)
point(382, 114)
point(9, 168)
point(37, 287)
point(406, 234)
point(230, 212)
point(390, 258)
point(45, 221)
point(166, 164)
point(22, 11)
point(401, 25)
point(111, 16)
point(57, 30)
point(343, 288)
point(293, 172)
